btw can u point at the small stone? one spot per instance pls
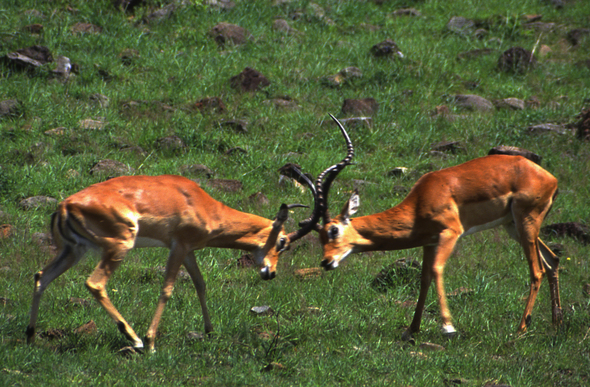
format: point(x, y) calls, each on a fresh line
point(258, 199)
point(110, 167)
point(210, 104)
point(510, 103)
point(86, 28)
point(171, 144)
point(240, 126)
point(91, 124)
point(406, 12)
point(262, 310)
point(86, 329)
point(398, 171)
point(516, 60)
point(6, 231)
point(226, 185)
point(460, 25)
point(35, 28)
point(547, 128)
point(453, 147)
point(367, 106)
point(249, 80)
point(35, 202)
point(195, 336)
point(246, 260)
point(100, 99)
point(431, 347)
point(473, 102)
point(225, 33)
point(198, 170)
point(462, 291)
point(308, 273)
point(386, 48)
point(10, 108)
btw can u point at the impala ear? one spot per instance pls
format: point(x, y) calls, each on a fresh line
point(351, 207)
point(282, 216)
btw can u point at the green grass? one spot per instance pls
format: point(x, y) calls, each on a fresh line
point(335, 329)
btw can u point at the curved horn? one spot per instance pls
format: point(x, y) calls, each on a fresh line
point(310, 223)
point(323, 187)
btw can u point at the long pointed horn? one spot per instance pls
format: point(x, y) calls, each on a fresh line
point(323, 187)
point(310, 223)
point(320, 191)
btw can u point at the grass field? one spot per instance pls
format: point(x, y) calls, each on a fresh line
point(141, 78)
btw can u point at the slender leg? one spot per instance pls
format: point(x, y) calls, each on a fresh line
point(536, 277)
point(191, 266)
point(426, 279)
point(67, 257)
point(96, 284)
point(435, 258)
point(527, 224)
point(174, 261)
point(551, 264)
point(445, 247)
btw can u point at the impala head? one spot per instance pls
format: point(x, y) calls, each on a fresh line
point(337, 235)
point(277, 242)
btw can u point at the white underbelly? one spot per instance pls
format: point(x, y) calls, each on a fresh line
point(148, 242)
point(486, 226)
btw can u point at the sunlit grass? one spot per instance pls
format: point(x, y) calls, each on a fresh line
point(336, 328)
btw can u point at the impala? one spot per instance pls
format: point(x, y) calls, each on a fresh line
point(442, 207)
point(170, 211)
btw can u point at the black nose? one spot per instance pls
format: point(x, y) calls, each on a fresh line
point(267, 274)
point(327, 265)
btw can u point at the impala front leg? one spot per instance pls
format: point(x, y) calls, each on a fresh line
point(425, 280)
point(174, 261)
point(193, 270)
point(435, 258)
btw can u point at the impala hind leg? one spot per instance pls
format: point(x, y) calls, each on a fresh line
point(176, 258)
point(527, 231)
point(191, 266)
point(67, 257)
point(551, 264)
point(96, 284)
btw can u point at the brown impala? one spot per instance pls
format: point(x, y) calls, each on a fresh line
point(130, 212)
point(442, 207)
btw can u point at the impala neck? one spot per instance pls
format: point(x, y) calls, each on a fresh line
point(240, 230)
point(394, 229)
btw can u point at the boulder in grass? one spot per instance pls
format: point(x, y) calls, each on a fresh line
point(110, 168)
point(362, 106)
point(35, 202)
point(227, 33)
point(387, 48)
point(249, 80)
point(473, 102)
point(516, 60)
point(10, 108)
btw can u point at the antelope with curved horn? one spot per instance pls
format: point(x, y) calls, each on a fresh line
point(444, 206)
point(118, 215)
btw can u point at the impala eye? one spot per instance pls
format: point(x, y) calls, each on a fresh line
point(333, 232)
point(282, 243)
